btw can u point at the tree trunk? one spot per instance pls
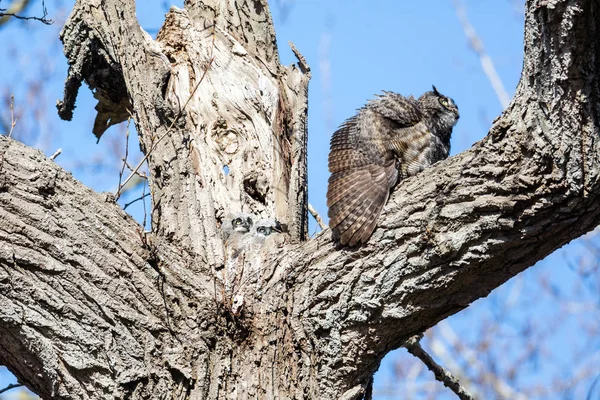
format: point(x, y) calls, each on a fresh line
point(91, 306)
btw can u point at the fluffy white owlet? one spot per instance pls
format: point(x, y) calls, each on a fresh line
point(239, 223)
point(244, 256)
point(237, 234)
point(266, 234)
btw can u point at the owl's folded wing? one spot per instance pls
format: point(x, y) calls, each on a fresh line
point(358, 188)
point(355, 198)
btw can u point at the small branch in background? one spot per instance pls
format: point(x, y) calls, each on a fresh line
point(18, 6)
point(484, 58)
point(503, 389)
point(138, 199)
point(56, 154)
point(317, 217)
point(126, 154)
point(13, 121)
point(439, 349)
point(144, 194)
point(441, 374)
point(135, 182)
point(9, 387)
point(138, 173)
point(592, 387)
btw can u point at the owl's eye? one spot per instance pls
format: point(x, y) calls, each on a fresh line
point(444, 101)
point(263, 230)
point(237, 221)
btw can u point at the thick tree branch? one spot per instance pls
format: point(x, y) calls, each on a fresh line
point(247, 99)
point(87, 299)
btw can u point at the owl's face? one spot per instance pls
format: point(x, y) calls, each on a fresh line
point(241, 224)
point(447, 103)
point(266, 227)
point(440, 112)
point(264, 230)
point(237, 223)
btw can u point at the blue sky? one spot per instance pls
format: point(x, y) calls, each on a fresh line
point(357, 49)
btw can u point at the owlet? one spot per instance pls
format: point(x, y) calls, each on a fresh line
point(390, 138)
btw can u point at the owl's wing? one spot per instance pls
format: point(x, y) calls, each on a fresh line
point(404, 111)
point(358, 188)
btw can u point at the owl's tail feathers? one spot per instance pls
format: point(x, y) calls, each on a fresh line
point(355, 198)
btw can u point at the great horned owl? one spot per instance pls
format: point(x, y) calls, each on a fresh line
point(239, 223)
point(268, 239)
point(237, 234)
point(390, 138)
point(266, 227)
point(244, 256)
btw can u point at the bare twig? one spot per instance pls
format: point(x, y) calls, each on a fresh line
point(317, 217)
point(170, 128)
point(144, 203)
point(56, 154)
point(138, 173)
point(9, 387)
point(13, 121)
point(441, 374)
point(18, 6)
point(138, 199)
point(484, 58)
point(503, 389)
point(126, 154)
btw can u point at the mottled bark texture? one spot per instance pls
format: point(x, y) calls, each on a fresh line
point(92, 307)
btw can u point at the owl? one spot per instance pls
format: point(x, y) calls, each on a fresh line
point(265, 227)
point(237, 235)
point(268, 239)
point(244, 241)
point(238, 223)
point(390, 138)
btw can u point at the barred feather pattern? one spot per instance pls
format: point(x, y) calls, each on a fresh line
point(390, 138)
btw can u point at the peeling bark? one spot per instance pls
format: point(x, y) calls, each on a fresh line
point(91, 306)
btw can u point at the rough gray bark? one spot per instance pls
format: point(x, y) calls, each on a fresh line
point(90, 306)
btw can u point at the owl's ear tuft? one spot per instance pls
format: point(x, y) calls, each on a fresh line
point(435, 91)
